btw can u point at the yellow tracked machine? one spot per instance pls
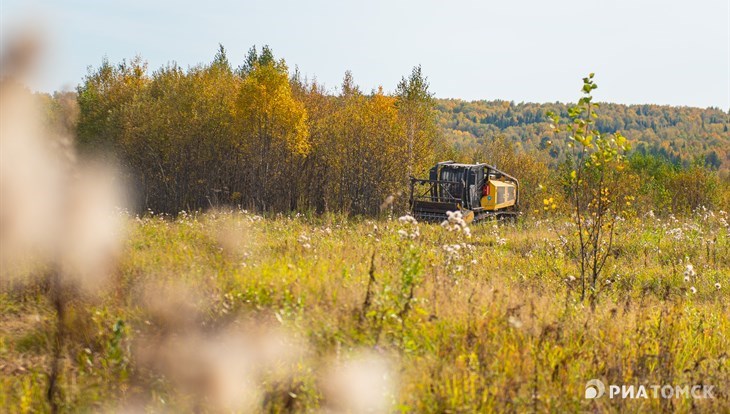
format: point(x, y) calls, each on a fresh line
point(479, 191)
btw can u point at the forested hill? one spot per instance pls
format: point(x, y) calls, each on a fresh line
point(682, 134)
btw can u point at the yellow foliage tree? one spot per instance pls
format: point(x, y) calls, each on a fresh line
point(273, 131)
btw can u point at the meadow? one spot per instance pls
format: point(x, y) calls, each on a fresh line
point(229, 311)
point(334, 300)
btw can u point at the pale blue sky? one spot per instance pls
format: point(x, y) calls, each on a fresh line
point(666, 52)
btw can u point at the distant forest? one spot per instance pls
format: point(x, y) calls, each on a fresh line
point(681, 135)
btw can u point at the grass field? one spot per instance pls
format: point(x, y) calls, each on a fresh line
point(225, 312)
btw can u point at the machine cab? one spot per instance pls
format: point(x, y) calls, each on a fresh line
point(451, 186)
point(460, 182)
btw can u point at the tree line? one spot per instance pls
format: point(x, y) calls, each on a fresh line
point(256, 137)
point(260, 136)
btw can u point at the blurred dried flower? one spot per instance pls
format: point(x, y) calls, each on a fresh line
point(362, 384)
point(20, 53)
point(515, 322)
point(93, 227)
point(51, 208)
point(387, 202)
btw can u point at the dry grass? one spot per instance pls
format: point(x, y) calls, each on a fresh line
point(234, 312)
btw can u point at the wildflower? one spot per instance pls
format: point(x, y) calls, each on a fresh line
point(514, 322)
point(407, 219)
point(451, 248)
point(676, 233)
point(689, 271)
point(415, 233)
point(409, 234)
point(452, 251)
point(455, 222)
point(303, 239)
point(693, 290)
point(717, 286)
point(686, 278)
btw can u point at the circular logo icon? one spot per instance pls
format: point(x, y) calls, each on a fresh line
point(595, 389)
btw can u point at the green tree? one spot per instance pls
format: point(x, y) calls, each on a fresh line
point(106, 101)
point(593, 184)
point(416, 108)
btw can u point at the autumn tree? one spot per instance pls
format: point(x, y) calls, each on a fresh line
point(255, 137)
point(319, 179)
point(273, 132)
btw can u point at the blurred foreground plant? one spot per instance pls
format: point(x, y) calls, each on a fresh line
point(59, 215)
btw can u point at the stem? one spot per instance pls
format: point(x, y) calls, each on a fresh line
point(596, 231)
point(56, 296)
point(368, 293)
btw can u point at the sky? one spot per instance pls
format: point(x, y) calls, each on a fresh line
point(672, 52)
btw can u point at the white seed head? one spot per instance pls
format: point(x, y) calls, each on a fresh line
point(407, 219)
point(515, 322)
